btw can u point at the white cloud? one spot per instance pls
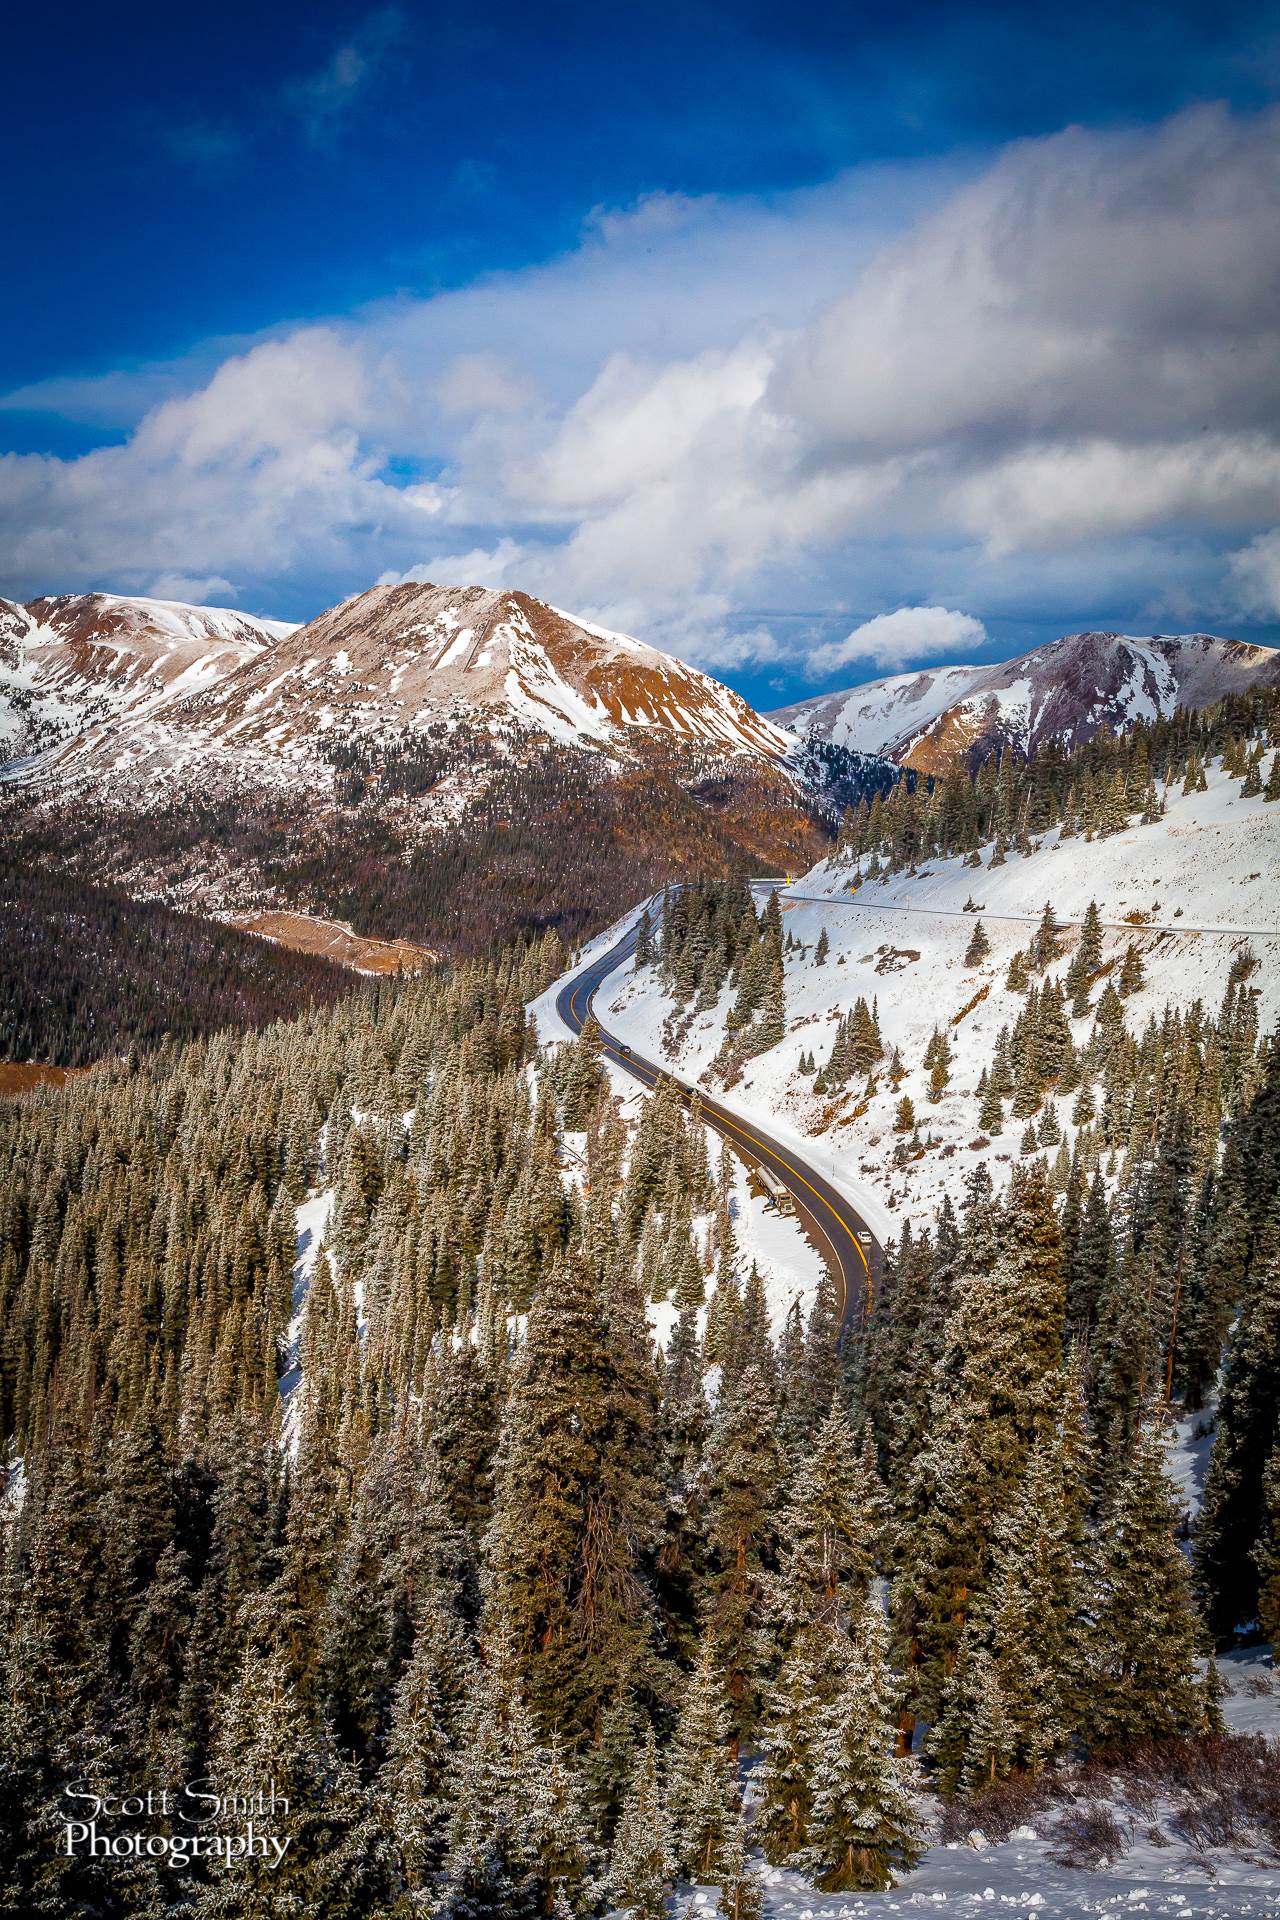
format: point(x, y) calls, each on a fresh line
point(496, 567)
point(210, 591)
point(1045, 496)
point(1255, 575)
point(268, 466)
point(1041, 382)
point(894, 639)
point(475, 384)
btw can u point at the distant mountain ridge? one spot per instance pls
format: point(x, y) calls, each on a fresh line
point(1064, 692)
point(76, 660)
point(448, 765)
point(145, 693)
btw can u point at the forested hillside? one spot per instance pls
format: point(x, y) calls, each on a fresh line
point(558, 842)
point(86, 971)
point(342, 1455)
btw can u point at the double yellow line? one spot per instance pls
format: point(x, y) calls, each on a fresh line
point(722, 1123)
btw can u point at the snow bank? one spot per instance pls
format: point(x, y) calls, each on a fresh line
point(1204, 883)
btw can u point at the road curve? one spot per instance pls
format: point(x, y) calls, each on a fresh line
point(845, 1242)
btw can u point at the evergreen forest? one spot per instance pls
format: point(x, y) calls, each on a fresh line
point(341, 1455)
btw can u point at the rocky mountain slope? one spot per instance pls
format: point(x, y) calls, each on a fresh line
point(75, 661)
point(401, 672)
point(1063, 693)
point(431, 763)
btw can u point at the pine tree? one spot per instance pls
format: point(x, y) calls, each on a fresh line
point(1143, 1636)
point(1013, 1697)
point(1047, 943)
point(822, 949)
point(743, 1482)
point(641, 1865)
point(979, 946)
point(1266, 1552)
point(576, 1512)
point(866, 1824)
point(1232, 1514)
point(1089, 951)
point(741, 1895)
point(1132, 972)
point(834, 1530)
point(991, 1399)
point(988, 1742)
point(701, 1796)
point(339, 1860)
point(495, 1784)
point(417, 1777)
point(808, 1683)
point(557, 1842)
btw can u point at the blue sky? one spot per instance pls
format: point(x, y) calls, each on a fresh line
point(739, 327)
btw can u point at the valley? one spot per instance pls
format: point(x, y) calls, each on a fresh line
point(718, 1269)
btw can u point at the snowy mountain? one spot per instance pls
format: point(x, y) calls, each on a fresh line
point(1063, 692)
point(165, 694)
point(1197, 893)
point(439, 764)
point(75, 661)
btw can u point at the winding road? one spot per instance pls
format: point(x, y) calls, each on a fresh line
point(844, 1241)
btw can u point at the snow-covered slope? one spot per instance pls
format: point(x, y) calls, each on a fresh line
point(1065, 692)
point(404, 663)
point(1194, 891)
point(74, 661)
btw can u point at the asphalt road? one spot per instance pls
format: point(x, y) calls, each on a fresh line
point(845, 1241)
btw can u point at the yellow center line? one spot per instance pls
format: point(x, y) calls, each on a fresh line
point(721, 1123)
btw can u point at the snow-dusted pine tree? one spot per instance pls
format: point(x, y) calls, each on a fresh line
point(865, 1825)
point(701, 1796)
point(642, 1863)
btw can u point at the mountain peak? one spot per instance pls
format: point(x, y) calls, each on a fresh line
point(70, 661)
point(396, 662)
point(1064, 692)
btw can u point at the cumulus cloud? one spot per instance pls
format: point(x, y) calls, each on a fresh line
point(893, 639)
point(267, 466)
point(495, 567)
point(1050, 379)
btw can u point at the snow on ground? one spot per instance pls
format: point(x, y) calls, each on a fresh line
point(1189, 1444)
point(1157, 1872)
point(311, 1224)
point(1019, 1876)
point(790, 1268)
point(775, 1242)
point(1206, 880)
point(1251, 1691)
